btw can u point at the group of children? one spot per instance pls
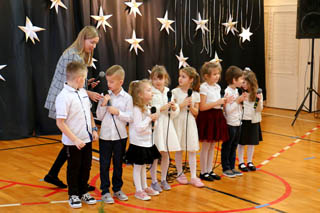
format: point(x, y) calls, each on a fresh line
point(176, 122)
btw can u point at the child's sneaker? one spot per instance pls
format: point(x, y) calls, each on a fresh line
point(196, 182)
point(236, 172)
point(121, 196)
point(156, 186)
point(182, 179)
point(142, 195)
point(107, 198)
point(229, 173)
point(150, 191)
point(165, 185)
point(88, 199)
point(75, 202)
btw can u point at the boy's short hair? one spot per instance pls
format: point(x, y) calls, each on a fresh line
point(75, 69)
point(116, 70)
point(233, 72)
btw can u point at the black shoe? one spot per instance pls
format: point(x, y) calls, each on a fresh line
point(206, 177)
point(214, 176)
point(91, 188)
point(55, 181)
point(251, 166)
point(243, 167)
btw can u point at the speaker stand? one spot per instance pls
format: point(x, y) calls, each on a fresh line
point(310, 89)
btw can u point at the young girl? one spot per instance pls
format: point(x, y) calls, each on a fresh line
point(212, 126)
point(187, 129)
point(141, 150)
point(250, 132)
point(165, 138)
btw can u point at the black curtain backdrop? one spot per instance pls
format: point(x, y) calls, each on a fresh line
point(30, 67)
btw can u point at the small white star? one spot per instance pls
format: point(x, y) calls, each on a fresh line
point(166, 24)
point(182, 60)
point(102, 19)
point(216, 58)
point(30, 30)
point(92, 63)
point(230, 26)
point(134, 41)
point(56, 4)
point(201, 24)
point(245, 35)
point(1, 67)
point(134, 7)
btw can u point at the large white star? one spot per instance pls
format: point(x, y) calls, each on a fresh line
point(134, 41)
point(92, 63)
point(201, 24)
point(216, 58)
point(230, 26)
point(56, 4)
point(30, 30)
point(134, 7)
point(166, 23)
point(245, 35)
point(182, 60)
point(1, 67)
point(102, 19)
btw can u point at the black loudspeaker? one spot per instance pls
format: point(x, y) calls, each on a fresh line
point(308, 19)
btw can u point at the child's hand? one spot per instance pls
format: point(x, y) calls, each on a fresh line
point(173, 106)
point(154, 116)
point(242, 97)
point(229, 99)
point(165, 107)
point(112, 110)
point(187, 101)
point(79, 143)
point(221, 101)
point(106, 99)
point(259, 96)
point(95, 136)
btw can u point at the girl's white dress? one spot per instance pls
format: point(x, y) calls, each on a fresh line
point(180, 122)
point(161, 126)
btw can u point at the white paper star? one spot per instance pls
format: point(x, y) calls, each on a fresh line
point(166, 23)
point(1, 67)
point(102, 19)
point(216, 58)
point(201, 24)
point(245, 35)
point(182, 60)
point(230, 26)
point(30, 30)
point(134, 41)
point(56, 4)
point(134, 7)
point(92, 63)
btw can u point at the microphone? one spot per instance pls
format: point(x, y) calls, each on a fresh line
point(169, 95)
point(107, 93)
point(153, 110)
point(101, 75)
point(189, 95)
point(259, 91)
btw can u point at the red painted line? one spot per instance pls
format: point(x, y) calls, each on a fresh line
point(34, 203)
point(55, 191)
point(7, 186)
point(26, 184)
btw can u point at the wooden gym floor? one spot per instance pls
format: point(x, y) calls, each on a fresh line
point(287, 179)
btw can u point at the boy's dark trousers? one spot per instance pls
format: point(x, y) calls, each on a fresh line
point(229, 148)
point(115, 150)
point(58, 163)
point(78, 169)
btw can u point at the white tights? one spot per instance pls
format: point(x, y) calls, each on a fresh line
point(139, 177)
point(192, 163)
point(164, 167)
point(250, 150)
point(206, 157)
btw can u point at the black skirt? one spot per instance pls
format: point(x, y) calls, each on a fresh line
point(250, 133)
point(141, 155)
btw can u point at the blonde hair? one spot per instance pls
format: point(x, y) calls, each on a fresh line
point(160, 72)
point(251, 79)
point(233, 72)
point(88, 32)
point(75, 69)
point(136, 89)
point(207, 69)
point(192, 73)
point(116, 70)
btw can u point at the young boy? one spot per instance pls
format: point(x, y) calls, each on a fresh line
point(74, 119)
point(115, 111)
point(233, 114)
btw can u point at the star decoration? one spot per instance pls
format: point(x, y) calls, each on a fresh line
point(230, 26)
point(216, 58)
point(166, 24)
point(149, 71)
point(134, 7)
point(30, 30)
point(201, 24)
point(1, 67)
point(245, 35)
point(56, 4)
point(92, 63)
point(134, 41)
point(102, 19)
point(182, 60)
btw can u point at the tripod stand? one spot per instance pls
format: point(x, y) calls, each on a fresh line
point(310, 89)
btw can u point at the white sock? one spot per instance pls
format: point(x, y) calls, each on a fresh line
point(240, 153)
point(204, 157)
point(250, 150)
point(153, 171)
point(193, 164)
point(164, 165)
point(178, 159)
point(144, 176)
point(137, 176)
point(210, 157)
